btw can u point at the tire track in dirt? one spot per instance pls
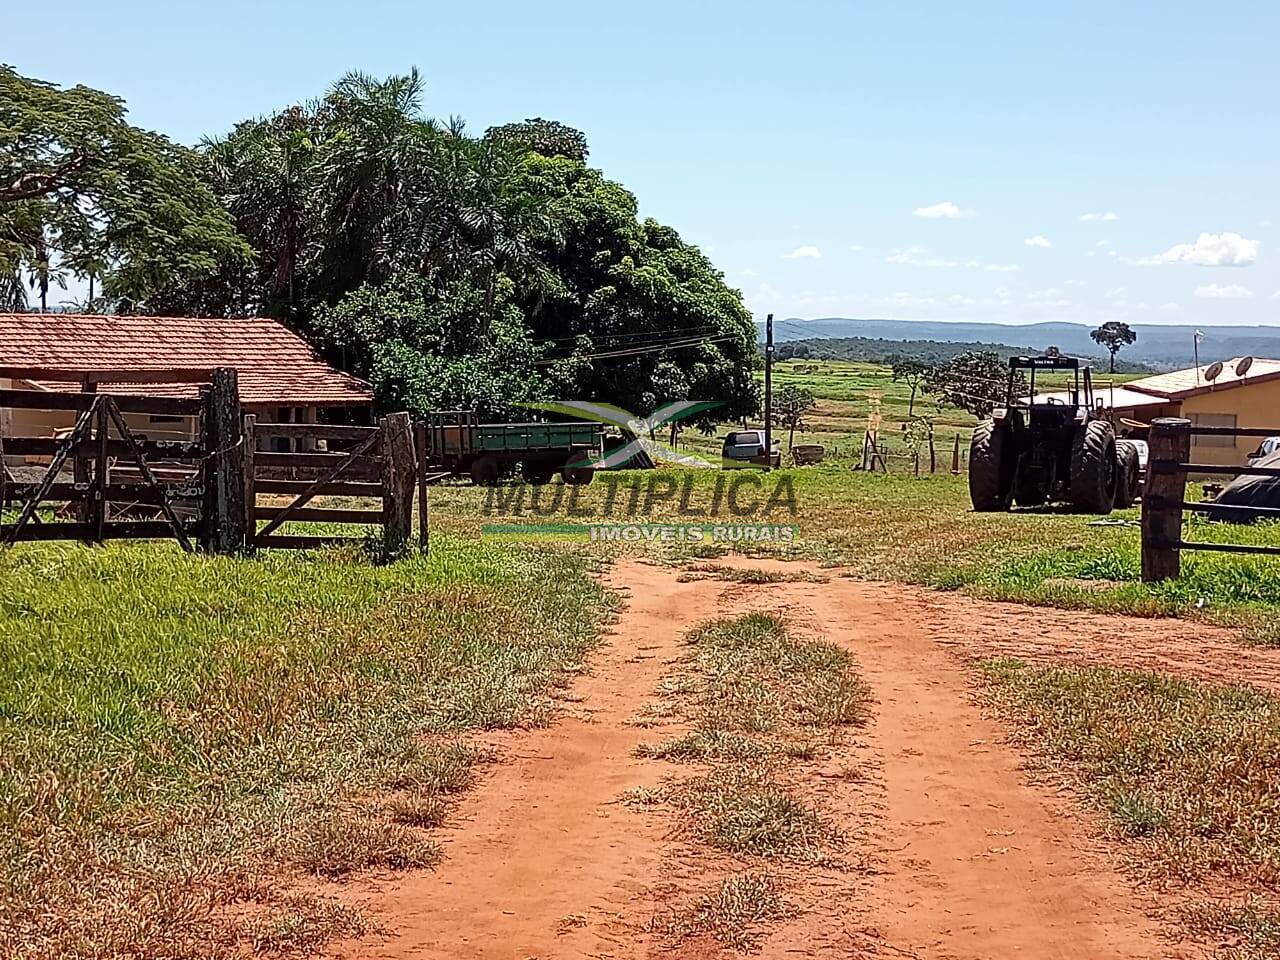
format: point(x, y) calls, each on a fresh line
point(969, 859)
point(541, 860)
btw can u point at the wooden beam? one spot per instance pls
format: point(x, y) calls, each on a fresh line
point(83, 375)
point(49, 400)
point(320, 515)
point(338, 488)
point(315, 431)
point(302, 542)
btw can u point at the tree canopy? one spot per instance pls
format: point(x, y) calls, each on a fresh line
point(974, 381)
point(85, 194)
point(1114, 335)
point(460, 271)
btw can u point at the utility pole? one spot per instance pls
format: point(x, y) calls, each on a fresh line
point(768, 390)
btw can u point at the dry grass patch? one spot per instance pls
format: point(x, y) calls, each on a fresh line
point(171, 725)
point(734, 915)
point(744, 810)
point(1188, 772)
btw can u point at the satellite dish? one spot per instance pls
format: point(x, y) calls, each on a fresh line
point(1243, 366)
point(1213, 372)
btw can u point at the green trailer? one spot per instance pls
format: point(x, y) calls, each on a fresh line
point(456, 443)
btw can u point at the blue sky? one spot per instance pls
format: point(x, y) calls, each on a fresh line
point(926, 160)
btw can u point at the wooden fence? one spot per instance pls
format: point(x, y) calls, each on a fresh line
point(1164, 501)
point(115, 474)
point(206, 489)
point(363, 463)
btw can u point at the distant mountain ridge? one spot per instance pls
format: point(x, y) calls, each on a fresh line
point(1165, 347)
point(879, 350)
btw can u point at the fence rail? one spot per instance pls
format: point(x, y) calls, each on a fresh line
point(204, 490)
point(1164, 502)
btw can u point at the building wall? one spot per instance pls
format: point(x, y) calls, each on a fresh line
point(1252, 405)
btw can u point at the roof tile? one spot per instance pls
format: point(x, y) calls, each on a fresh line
point(274, 365)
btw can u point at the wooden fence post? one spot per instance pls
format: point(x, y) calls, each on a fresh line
point(248, 465)
point(399, 472)
point(80, 465)
point(102, 468)
point(225, 524)
point(1169, 448)
point(933, 453)
point(424, 497)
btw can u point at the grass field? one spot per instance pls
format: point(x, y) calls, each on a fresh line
point(848, 392)
point(922, 530)
point(175, 728)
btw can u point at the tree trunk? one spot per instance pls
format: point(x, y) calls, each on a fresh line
point(1113, 361)
point(911, 404)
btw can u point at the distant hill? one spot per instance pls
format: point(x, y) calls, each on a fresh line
point(877, 350)
point(1162, 347)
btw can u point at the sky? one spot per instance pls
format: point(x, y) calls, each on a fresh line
point(1009, 162)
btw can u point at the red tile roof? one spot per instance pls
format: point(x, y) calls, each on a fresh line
point(274, 366)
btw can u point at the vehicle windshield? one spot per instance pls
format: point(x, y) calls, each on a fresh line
point(744, 438)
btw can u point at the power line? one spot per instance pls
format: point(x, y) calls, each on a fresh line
point(637, 351)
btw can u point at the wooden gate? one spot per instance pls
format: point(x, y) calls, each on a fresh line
point(121, 485)
point(363, 463)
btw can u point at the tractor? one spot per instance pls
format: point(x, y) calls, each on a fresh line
point(1055, 448)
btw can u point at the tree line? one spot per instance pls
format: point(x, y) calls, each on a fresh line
point(451, 270)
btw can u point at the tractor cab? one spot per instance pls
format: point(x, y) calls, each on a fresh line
point(1060, 408)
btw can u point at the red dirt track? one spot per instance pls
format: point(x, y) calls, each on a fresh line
point(953, 851)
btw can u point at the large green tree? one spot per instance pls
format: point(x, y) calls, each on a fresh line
point(462, 271)
point(85, 194)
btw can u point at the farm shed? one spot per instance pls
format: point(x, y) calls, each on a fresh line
point(1232, 399)
point(281, 379)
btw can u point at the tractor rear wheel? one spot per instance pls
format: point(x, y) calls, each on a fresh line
point(1093, 468)
point(990, 472)
point(1127, 479)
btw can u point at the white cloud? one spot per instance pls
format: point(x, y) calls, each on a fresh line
point(1218, 291)
point(748, 272)
point(1103, 243)
point(857, 248)
point(1114, 292)
point(806, 252)
point(1276, 295)
point(1108, 217)
point(943, 211)
point(1037, 241)
point(1003, 267)
point(912, 256)
point(1170, 307)
point(1214, 250)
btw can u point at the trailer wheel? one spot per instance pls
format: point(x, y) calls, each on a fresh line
point(576, 470)
point(485, 472)
point(1093, 468)
point(990, 477)
point(1127, 479)
point(536, 472)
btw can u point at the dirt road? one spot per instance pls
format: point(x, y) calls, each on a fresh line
point(954, 852)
